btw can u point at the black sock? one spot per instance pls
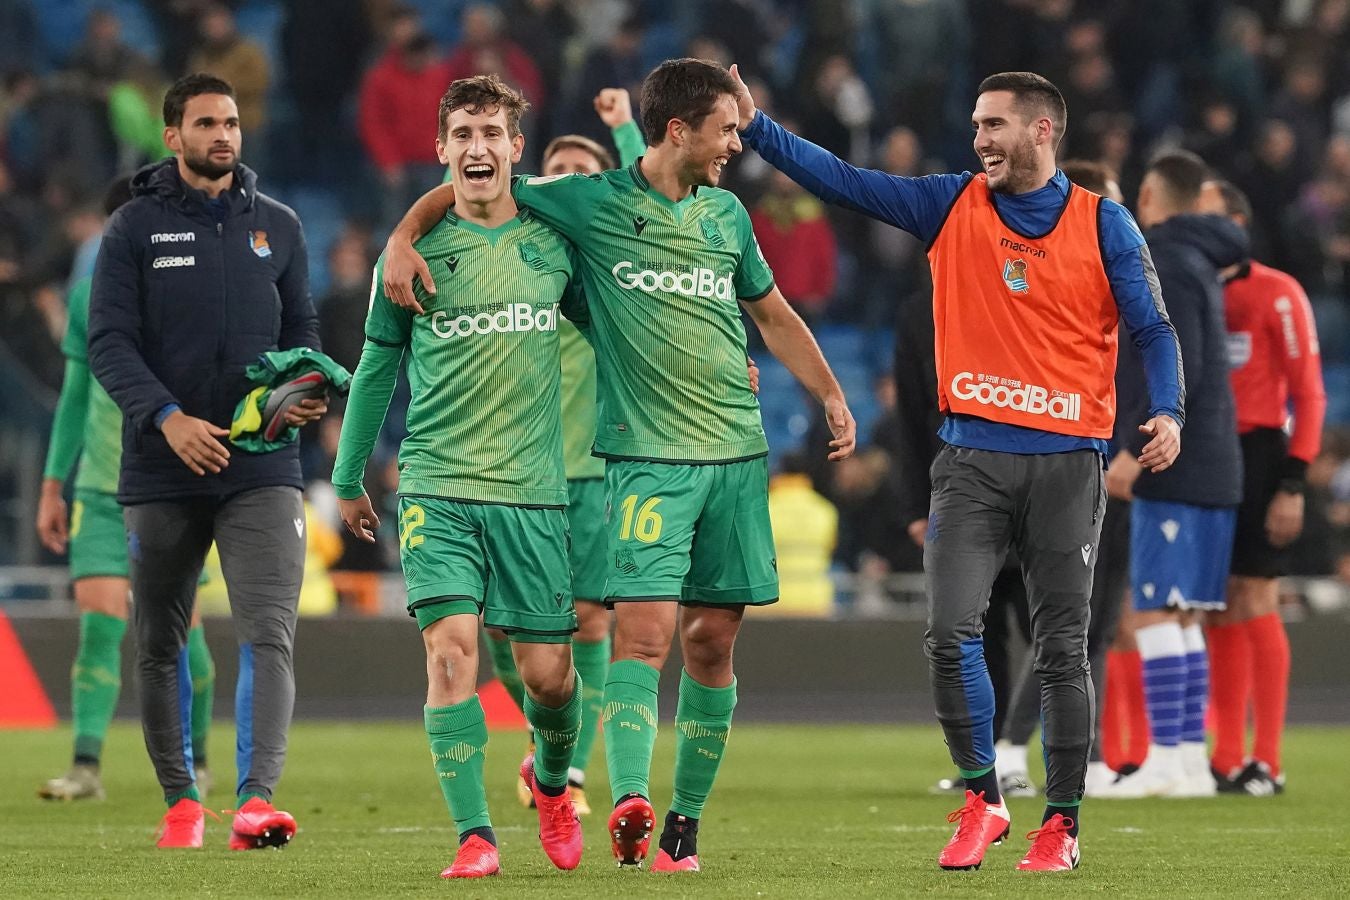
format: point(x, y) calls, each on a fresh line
point(82, 760)
point(198, 762)
point(549, 790)
point(679, 837)
point(988, 783)
point(1068, 812)
point(485, 832)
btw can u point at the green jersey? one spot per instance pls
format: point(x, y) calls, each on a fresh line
point(483, 364)
point(662, 280)
point(578, 404)
point(92, 428)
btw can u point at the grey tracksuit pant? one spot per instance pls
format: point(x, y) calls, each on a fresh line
point(260, 534)
point(1110, 582)
point(1049, 508)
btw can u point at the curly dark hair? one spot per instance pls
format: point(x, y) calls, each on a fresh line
point(479, 93)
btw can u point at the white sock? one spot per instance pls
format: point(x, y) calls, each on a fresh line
point(1011, 758)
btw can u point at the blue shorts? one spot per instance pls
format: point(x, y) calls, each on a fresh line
point(1179, 554)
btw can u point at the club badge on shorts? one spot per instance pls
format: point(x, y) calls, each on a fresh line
point(257, 242)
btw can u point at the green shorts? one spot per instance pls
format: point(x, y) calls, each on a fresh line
point(98, 537)
point(507, 562)
point(586, 519)
point(697, 533)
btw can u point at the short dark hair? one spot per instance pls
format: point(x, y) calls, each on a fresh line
point(187, 87)
point(1034, 96)
point(1235, 202)
point(579, 142)
point(685, 89)
point(481, 93)
point(1088, 174)
point(1182, 174)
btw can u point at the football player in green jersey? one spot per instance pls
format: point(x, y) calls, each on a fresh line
point(668, 262)
point(482, 491)
point(565, 155)
point(88, 425)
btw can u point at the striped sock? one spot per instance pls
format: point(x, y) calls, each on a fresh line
point(1163, 651)
point(1197, 685)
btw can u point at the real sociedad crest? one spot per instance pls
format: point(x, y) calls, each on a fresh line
point(1015, 275)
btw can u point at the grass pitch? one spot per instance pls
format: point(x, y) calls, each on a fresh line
point(799, 811)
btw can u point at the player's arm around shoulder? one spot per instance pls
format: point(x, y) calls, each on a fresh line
point(788, 338)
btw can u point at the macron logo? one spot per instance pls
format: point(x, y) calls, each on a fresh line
point(1170, 529)
point(172, 237)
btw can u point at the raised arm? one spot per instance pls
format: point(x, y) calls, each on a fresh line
point(401, 262)
point(916, 205)
point(788, 339)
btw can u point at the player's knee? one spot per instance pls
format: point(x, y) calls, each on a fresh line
point(1061, 658)
point(449, 661)
point(707, 645)
point(592, 623)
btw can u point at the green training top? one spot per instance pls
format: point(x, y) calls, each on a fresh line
point(662, 280)
point(578, 360)
point(87, 419)
point(483, 363)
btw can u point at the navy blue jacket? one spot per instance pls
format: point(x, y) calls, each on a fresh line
point(186, 293)
point(1188, 252)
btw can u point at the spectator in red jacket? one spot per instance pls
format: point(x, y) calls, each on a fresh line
point(397, 109)
point(798, 243)
point(486, 50)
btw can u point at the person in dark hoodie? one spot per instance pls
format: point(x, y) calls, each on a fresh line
point(196, 277)
point(1182, 519)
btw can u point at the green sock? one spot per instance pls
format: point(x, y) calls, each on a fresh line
point(95, 682)
point(504, 667)
point(592, 662)
point(458, 736)
point(703, 720)
point(555, 736)
point(189, 794)
point(249, 795)
point(203, 671)
point(629, 717)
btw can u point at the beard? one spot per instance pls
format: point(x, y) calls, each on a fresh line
point(204, 166)
point(1021, 174)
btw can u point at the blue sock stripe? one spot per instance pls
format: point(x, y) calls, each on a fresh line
point(1165, 696)
point(243, 716)
point(979, 692)
point(185, 707)
point(1197, 697)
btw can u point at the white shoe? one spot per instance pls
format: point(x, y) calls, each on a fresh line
point(1160, 774)
point(1099, 778)
point(1198, 781)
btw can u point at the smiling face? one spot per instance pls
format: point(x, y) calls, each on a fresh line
point(208, 140)
point(480, 151)
point(1009, 145)
point(705, 150)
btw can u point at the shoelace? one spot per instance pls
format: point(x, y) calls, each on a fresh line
point(1042, 847)
point(563, 815)
point(176, 816)
point(968, 823)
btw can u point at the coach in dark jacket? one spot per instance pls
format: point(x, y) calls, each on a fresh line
point(197, 276)
point(187, 292)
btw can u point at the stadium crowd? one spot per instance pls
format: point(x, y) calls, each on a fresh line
point(337, 96)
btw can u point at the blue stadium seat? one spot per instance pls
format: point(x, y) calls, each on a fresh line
point(1337, 379)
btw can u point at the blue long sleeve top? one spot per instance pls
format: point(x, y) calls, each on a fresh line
point(920, 205)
